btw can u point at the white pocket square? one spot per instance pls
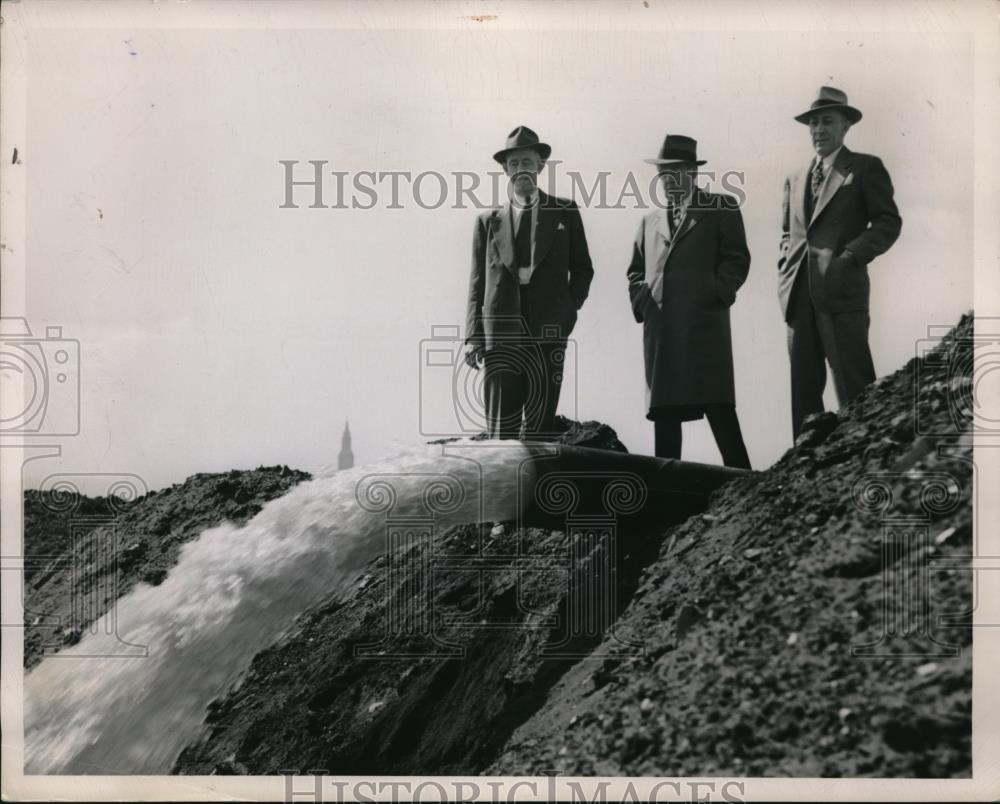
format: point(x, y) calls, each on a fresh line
point(561, 227)
point(849, 179)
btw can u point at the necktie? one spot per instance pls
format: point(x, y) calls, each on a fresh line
point(522, 239)
point(674, 214)
point(817, 179)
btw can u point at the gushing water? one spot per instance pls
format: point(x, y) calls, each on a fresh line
point(233, 592)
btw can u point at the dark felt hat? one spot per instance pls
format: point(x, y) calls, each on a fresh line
point(830, 98)
point(677, 149)
point(522, 137)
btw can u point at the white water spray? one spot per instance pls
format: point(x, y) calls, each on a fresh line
point(233, 592)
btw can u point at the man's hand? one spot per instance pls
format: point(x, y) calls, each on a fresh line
point(847, 254)
point(474, 356)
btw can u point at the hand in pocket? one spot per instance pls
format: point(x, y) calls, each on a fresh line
point(642, 299)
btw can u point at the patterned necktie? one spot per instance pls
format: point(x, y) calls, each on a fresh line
point(817, 178)
point(674, 214)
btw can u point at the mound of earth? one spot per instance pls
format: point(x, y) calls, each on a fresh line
point(481, 638)
point(814, 621)
point(82, 553)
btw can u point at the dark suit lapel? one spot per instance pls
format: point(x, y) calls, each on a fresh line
point(503, 236)
point(545, 228)
point(688, 222)
point(841, 168)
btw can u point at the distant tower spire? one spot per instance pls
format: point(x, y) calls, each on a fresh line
point(346, 458)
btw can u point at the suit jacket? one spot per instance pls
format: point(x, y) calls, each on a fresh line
point(855, 212)
point(687, 344)
point(559, 283)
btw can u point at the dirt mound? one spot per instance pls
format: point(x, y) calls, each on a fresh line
point(793, 629)
point(342, 694)
point(82, 553)
point(813, 622)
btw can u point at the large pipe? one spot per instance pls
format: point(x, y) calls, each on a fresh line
point(581, 483)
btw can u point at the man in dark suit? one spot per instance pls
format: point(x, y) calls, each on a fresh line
point(531, 273)
point(838, 215)
point(688, 261)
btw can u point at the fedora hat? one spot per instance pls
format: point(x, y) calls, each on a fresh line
point(677, 149)
point(831, 98)
point(522, 137)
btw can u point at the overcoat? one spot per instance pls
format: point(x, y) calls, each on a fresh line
point(559, 283)
point(687, 345)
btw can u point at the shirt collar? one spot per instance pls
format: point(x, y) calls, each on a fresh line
point(518, 206)
point(829, 159)
point(686, 200)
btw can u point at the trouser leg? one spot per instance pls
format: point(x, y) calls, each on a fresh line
point(667, 431)
point(805, 351)
point(542, 398)
point(728, 436)
point(845, 341)
point(503, 386)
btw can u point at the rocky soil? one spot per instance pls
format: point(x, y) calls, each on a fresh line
point(443, 690)
point(814, 621)
point(767, 650)
point(82, 553)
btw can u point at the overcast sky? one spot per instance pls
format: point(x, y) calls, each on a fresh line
point(218, 330)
